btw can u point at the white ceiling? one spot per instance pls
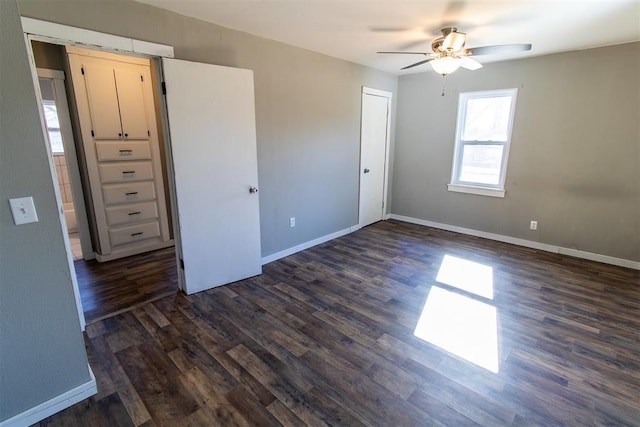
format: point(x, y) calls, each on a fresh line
point(354, 30)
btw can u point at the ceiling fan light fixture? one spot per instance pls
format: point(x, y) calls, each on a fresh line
point(446, 64)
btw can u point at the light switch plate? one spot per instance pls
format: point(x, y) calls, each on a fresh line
point(23, 210)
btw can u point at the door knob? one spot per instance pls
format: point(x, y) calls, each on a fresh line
point(253, 190)
point(366, 170)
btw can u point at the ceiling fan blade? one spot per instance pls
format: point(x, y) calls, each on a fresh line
point(422, 43)
point(470, 63)
point(407, 53)
point(416, 64)
point(388, 29)
point(498, 49)
point(454, 41)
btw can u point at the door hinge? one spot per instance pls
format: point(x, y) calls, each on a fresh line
point(92, 134)
point(141, 78)
point(82, 70)
point(181, 263)
point(164, 88)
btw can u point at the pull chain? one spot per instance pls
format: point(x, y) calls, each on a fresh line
point(444, 83)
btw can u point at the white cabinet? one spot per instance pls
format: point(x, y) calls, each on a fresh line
point(114, 97)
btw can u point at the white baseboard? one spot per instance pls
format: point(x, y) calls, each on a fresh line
point(522, 242)
point(54, 405)
point(307, 245)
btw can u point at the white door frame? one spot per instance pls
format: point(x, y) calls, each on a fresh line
point(389, 95)
point(53, 33)
point(58, 78)
point(60, 97)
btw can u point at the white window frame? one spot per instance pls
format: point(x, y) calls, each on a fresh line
point(478, 188)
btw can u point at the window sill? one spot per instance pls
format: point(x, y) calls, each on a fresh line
point(480, 191)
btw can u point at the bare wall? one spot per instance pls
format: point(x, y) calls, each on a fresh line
point(574, 163)
point(307, 110)
point(42, 352)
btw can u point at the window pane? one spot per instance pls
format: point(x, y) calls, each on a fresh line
point(487, 119)
point(53, 125)
point(51, 114)
point(55, 138)
point(481, 164)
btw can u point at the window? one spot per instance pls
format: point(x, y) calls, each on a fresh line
point(482, 142)
point(53, 126)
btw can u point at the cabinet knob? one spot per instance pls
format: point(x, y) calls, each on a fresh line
point(253, 190)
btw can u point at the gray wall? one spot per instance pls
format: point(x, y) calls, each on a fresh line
point(42, 352)
point(307, 110)
point(574, 163)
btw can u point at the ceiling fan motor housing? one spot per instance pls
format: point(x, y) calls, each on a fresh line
point(450, 41)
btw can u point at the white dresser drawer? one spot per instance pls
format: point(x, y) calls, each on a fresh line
point(128, 193)
point(134, 233)
point(123, 150)
point(131, 213)
point(125, 172)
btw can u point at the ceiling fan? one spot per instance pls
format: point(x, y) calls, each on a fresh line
point(449, 52)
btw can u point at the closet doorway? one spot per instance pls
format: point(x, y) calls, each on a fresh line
point(374, 155)
point(235, 194)
point(104, 288)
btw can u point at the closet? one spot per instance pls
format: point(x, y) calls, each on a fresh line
point(121, 152)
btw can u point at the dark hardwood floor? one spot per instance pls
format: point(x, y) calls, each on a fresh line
point(112, 287)
point(326, 337)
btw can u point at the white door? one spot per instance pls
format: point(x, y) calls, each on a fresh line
point(211, 113)
point(374, 138)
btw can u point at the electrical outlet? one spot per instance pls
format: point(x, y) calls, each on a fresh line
point(534, 225)
point(292, 222)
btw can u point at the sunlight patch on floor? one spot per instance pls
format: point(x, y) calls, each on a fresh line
point(466, 326)
point(466, 275)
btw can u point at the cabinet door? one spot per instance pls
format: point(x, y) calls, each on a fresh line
point(131, 100)
point(103, 100)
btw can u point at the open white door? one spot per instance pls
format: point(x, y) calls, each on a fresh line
point(211, 113)
point(374, 154)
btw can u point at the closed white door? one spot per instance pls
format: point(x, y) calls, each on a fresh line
point(211, 113)
point(374, 137)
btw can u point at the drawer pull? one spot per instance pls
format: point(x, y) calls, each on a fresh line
point(128, 172)
point(126, 152)
point(131, 193)
point(136, 234)
point(134, 213)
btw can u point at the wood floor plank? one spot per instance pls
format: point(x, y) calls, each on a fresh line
point(327, 337)
point(156, 380)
